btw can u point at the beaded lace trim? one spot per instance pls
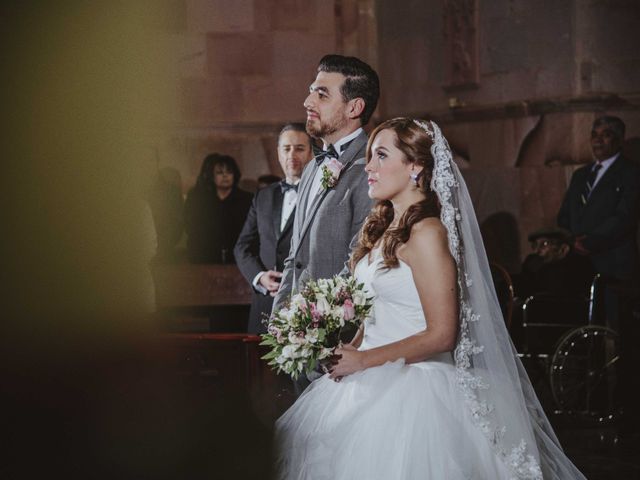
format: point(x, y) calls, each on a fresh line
point(522, 465)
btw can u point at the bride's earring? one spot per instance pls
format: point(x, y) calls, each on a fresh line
point(414, 178)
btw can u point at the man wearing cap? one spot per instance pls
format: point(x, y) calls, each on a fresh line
point(554, 267)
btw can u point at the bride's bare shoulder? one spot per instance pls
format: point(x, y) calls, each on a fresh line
point(428, 237)
point(428, 227)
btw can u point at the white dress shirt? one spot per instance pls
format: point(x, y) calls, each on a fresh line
point(288, 204)
point(605, 166)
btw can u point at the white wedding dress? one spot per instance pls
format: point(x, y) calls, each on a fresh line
point(392, 422)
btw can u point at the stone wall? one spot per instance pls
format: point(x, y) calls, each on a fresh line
point(243, 69)
point(515, 85)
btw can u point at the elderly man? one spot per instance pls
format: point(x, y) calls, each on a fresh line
point(553, 267)
point(264, 241)
point(601, 205)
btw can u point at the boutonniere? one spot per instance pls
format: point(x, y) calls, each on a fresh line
point(330, 173)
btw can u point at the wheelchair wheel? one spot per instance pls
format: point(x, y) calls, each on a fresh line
point(583, 372)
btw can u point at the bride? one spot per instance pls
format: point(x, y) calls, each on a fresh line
point(430, 387)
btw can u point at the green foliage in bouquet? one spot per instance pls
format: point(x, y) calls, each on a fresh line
point(312, 323)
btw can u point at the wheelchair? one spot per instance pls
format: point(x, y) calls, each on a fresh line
point(574, 353)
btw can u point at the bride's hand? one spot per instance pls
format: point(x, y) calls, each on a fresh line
point(349, 361)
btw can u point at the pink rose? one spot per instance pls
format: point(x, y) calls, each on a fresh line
point(348, 310)
point(315, 314)
point(330, 173)
point(276, 332)
point(335, 167)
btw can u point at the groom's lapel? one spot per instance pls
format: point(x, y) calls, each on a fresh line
point(347, 159)
point(317, 200)
point(305, 196)
point(351, 153)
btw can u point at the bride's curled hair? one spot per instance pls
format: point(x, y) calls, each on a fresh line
point(414, 142)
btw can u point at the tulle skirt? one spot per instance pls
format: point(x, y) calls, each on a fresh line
point(391, 422)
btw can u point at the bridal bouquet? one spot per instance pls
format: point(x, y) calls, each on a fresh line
point(310, 325)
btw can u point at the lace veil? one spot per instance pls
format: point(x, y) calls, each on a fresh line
point(490, 376)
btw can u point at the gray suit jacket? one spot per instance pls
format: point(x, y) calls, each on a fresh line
point(321, 241)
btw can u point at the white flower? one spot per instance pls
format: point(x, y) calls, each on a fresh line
point(322, 305)
point(338, 312)
point(325, 352)
point(306, 351)
point(290, 351)
point(298, 301)
point(312, 335)
point(296, 339)
point(285, 314)
point(359, 298)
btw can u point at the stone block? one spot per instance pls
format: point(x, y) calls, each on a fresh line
point(525, 35)
point(609, 30)
point(502, 87)
point(542, 191)
point(253, 159)
point(560, 138)
point(316, 16)
point(189, 54)
point(193, 95)
point(497, 142)
point(405, 82)
point(239, 54)
point(291, 14)
point(298, 54)
point(493, 189)
point(272, 101)
point(554, 79)
point(270, 146)
point(621, 76)
point(206, 16)
point(210, 100)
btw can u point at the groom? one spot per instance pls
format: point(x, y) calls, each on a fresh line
point(333, 200)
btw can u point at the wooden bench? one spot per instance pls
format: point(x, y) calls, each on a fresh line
point(228, 362)
point(217, 357)
point(201, 298)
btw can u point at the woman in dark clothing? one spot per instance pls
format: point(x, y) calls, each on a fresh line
point(215, 211)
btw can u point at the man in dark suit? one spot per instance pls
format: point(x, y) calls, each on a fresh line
point(601, 209)
point(265, 239)
point(601, 205)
